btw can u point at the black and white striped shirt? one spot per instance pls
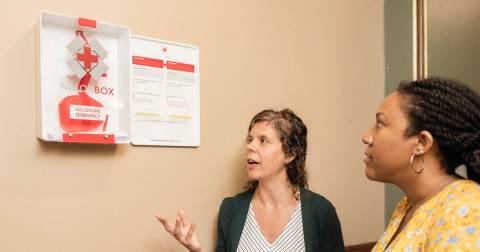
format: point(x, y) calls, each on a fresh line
point(291, 238)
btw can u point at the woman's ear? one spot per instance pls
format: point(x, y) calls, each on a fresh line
point(424, 142)
point(289, 158)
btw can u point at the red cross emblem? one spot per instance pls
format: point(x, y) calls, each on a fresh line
point(87, 58)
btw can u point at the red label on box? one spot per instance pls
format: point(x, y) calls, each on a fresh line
point(72, 123)
point(87, 22)
point(89, 138)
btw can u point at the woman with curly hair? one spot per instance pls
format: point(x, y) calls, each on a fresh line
point(423, 132)
point(277, 212)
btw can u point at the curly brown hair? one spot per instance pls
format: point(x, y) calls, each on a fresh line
point(292, 133)
point(450, 111)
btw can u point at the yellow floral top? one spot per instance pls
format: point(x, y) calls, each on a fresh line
point(449, 221)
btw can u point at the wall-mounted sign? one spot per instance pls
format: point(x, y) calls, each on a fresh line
point(98, 84)
point(165, 87)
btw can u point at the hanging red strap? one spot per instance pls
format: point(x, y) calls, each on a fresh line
point(83, 83)
point(104, 128)
point(80, 33)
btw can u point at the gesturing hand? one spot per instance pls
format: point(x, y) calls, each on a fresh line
point(183, 231)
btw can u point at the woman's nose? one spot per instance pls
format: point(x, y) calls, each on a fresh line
point(367, 139)
point(249, 146)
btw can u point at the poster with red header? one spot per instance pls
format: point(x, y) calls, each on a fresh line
point(165, 105)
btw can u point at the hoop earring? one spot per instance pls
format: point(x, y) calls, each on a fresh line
point(413, 166)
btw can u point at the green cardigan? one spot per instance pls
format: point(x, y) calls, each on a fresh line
point(321, 227)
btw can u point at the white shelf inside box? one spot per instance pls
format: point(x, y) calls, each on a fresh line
point(55, 31)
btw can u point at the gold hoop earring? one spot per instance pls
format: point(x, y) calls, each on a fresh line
point(413, 166)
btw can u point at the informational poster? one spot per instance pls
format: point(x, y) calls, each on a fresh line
point(165, 104)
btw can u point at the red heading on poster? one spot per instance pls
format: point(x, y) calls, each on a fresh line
point(144, 61)
point(180, 66)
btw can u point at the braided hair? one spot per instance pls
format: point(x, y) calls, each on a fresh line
point(450, 111)
point(293, 135)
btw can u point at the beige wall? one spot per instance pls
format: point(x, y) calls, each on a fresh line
point(324, 59)
point(453, 38)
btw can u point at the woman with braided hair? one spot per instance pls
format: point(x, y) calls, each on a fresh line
point(423, 132)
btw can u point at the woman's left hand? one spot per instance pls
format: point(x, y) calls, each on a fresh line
point(183, 231)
